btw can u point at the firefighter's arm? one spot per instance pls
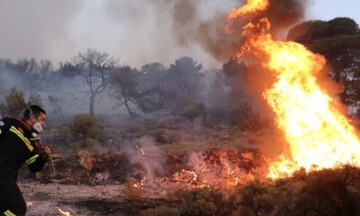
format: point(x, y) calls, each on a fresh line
point(46, 149)
point(38, 158)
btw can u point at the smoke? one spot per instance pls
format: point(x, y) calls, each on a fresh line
point(144, 154)
point(36, 28)
point(282, 15)
point(189, 25)
point(135, 32)
point(194, 24)
point(293, 10)
point(170, 29)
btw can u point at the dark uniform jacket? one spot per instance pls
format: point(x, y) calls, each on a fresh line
point(17, 146)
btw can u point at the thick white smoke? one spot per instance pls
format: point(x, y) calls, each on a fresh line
point(135, 32)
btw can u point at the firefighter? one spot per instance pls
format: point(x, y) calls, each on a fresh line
point(19, 145)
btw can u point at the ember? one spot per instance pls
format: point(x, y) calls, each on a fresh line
point(29, 204)
point(140, 184)
point(63, 213)
point(185, 176)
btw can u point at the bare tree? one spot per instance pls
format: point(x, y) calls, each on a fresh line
point(94, 67)
point(123, 86)
point(138, 90)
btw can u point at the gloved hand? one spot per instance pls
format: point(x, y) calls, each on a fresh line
point(46, 148)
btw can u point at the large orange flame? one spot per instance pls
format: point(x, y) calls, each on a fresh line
point(318, 134)
point(252, 6)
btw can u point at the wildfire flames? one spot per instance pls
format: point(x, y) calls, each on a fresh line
point(250, 8)
point(318, 134)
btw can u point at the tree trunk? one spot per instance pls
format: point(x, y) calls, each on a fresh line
point(91, 106)
point(128, 108)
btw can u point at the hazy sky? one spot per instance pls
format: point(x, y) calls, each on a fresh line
point(135, 32)
point(329, 9)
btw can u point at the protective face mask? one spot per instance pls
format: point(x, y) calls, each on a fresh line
point(37, 127)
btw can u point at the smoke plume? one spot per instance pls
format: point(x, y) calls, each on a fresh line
point(135, 32)
point(188, 25)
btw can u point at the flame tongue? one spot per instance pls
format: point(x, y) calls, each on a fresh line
point(252, 6)
point(318, 135)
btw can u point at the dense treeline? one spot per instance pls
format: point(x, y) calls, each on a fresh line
point(180, 89)
point(183, 88)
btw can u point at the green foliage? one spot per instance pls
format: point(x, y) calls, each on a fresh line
point(325, 192)
point(180, 84)
point(14, 103)
point(203, 201)
point(85, 126)
point(336, 39)
point(310, 31)
point(254, 199)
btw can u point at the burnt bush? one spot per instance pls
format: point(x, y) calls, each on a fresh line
point(85, 126)
point(13, 104)
point(193, 111)
point(163, 136)
point(330, 192)
point(162, 211)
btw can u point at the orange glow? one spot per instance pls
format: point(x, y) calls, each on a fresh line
point(140, 184)
point(318, 134)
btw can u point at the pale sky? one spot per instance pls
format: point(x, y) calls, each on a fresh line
point(135, 32)
point(329, 9)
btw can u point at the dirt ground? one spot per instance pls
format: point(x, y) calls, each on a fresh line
point(52, 198)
